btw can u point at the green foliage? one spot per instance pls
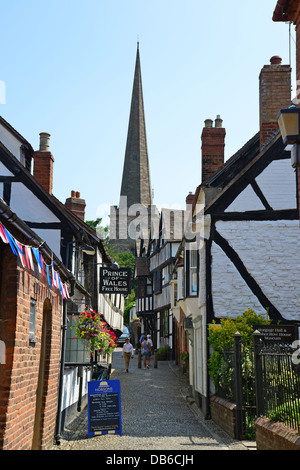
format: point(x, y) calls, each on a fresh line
point(164, 349)
point(123, 258)
point(102, 232)
point(184, 356)
point(93, 223)
point(221, 338)
point(285, 412)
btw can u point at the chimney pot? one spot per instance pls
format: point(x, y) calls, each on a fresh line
point(76, 204)
point(44, 142)
point(218, 121)
point(208, 122)
point(275, 60)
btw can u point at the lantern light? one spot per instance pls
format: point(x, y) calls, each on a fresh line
point(289, 124)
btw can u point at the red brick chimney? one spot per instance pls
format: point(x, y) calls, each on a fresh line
point(213, 145)
point(43, 163)
point(189, 199)
point(76, 204)
point(274, 94)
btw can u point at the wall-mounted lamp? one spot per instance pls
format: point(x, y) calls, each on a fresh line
point(87, 249)
point(289, 125)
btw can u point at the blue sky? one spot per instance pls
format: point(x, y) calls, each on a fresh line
point(68, 69)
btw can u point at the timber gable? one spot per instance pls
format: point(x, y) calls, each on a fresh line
point(253, 218)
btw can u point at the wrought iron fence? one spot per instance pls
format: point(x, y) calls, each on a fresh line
point(261, 380)
point(277, 383)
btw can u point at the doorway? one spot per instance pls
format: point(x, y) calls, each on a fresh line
point(42, 388)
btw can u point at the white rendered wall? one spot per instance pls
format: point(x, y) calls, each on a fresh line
point(268, 249)
point(10, 142)
point(270, 253)
point(278, 184)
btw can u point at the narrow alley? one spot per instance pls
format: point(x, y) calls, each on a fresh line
point(157, 414)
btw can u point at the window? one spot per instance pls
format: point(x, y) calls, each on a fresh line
point(76, 350)
point(148, 286)
point(166, 274)
point(157, 282)
point(164, 323)
point(32, 320)
point(180, 283)
point(193, 281)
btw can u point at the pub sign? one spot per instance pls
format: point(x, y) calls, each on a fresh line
point(115, 281)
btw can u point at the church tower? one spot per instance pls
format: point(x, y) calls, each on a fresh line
point(136, 186)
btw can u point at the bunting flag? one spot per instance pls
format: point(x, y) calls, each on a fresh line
point(24, 252)
point(42, 264)
point(3, 234)
point(10, 240)
point(54, 279)
point(21, 253)
point(48, 275)
point(38, 259)
point(59, 283)
point(29, 258)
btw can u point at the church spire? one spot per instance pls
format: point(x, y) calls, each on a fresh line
point(136, 175)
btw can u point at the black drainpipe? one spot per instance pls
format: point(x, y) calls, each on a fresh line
point(209, 310)
point(61, 377)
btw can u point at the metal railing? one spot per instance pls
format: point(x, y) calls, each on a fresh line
point(262, 380)
point(277, 380)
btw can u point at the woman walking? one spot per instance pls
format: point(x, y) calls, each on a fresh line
point(146, 351)
point(127, 352)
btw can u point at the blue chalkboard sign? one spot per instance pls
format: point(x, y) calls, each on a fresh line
point(104, 408)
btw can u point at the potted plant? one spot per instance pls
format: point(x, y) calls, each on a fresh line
point(184, 356)
point(162, 353)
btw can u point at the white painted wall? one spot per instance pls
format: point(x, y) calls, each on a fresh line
point(268, 249)
point(10, 142)
point(278, 184)
point(270, 252)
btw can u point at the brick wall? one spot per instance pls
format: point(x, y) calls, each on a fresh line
point(43, 169)
point(19, 377)
point(223, 413)
point(213, 147)
point(275, 436)
point(274, 94)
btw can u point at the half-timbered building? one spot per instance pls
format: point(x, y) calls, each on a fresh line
point(26, 181)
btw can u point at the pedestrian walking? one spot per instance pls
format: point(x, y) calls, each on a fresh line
point(127, 353)
point(143, 336)
point(146, 350)
point(150, 341)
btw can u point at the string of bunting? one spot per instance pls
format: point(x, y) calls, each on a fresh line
point(27, 254)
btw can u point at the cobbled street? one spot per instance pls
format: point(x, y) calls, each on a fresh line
point(157, 414)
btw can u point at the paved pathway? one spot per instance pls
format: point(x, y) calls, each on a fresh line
point(156, 415)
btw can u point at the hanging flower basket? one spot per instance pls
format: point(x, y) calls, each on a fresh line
point(91, 329)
